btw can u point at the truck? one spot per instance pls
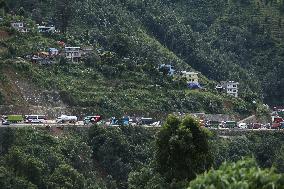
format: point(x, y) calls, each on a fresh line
point(281, 113)
point(281, 125)
point(213, 124)
point(230, 124)
point(92, 119)
point(66, 119)
point(148, 121)
point(14, 118)
point(276, 120)
point(119, 122)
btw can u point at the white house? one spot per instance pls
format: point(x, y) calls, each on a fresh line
point(72, 53)
point(19, 26)
point(191, 77)
point(46, 29)
point(230, 87)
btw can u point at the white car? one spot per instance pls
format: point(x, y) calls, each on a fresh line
point(242, 126)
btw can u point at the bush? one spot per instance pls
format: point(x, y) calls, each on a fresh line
point(243, 174)
point(1, 98)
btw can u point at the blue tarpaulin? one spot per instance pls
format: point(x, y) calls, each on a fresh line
point(194, 86)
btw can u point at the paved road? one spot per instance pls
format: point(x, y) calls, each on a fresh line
point(81, 125)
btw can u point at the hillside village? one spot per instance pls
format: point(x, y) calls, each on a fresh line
point(63, 51)
point(75, 54)
point(152, 94)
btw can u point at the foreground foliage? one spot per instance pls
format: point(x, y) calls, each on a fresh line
point(134, 157)
point(243, 174)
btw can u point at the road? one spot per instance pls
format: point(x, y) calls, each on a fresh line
point(80, 124)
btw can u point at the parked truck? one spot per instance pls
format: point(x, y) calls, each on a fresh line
point(92, 119)
point(119, 122)
point(230, 124)
point(66, 119)
point(14, 118)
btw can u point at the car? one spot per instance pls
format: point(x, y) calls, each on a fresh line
point(242, 126)
point(5, 122)
point(256, 126)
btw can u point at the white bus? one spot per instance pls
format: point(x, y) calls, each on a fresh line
point(35, 119)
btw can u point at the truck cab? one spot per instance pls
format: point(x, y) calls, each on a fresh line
point(92, 119)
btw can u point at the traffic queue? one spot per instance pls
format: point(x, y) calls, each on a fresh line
point(70, 119)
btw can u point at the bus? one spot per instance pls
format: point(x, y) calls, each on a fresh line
point(35, 119)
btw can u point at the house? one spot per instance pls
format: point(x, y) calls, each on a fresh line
point(72, 53)
point(230, 87)
point(167, 69)
point(191, 77)
point(46, 29)
point(87, 50)
point(19, 26)
point(41, 58)
point(53, 51)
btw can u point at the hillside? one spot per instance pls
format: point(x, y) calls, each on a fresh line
point(222, 40)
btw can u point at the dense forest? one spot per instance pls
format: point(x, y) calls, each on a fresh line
point(179, 155)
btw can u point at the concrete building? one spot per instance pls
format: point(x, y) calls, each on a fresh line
point(230, 87)
point(19, 26)
point(167, 69)
point(191, 77)
point(72, 53)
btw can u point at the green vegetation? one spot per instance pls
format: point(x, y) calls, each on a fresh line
point(236, 40)
point(138, 157)
point(224, 40)
point(243, 174)
point(177, 160)
point(230, 41)
point(133, 91)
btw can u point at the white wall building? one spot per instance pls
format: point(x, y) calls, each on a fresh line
point(19, 26)
point(46, 29)
point(191, 77)
point(72, 53)
point(230, 87)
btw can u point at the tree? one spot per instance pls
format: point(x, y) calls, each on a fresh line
point(147, 177)
point(8, 181)
point(66, 177)
point(26, 166)
point(182, 149)
point(244, 174)
point(64, 13)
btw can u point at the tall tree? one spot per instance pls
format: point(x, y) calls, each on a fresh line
point(182, 149)
point(64, 13)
